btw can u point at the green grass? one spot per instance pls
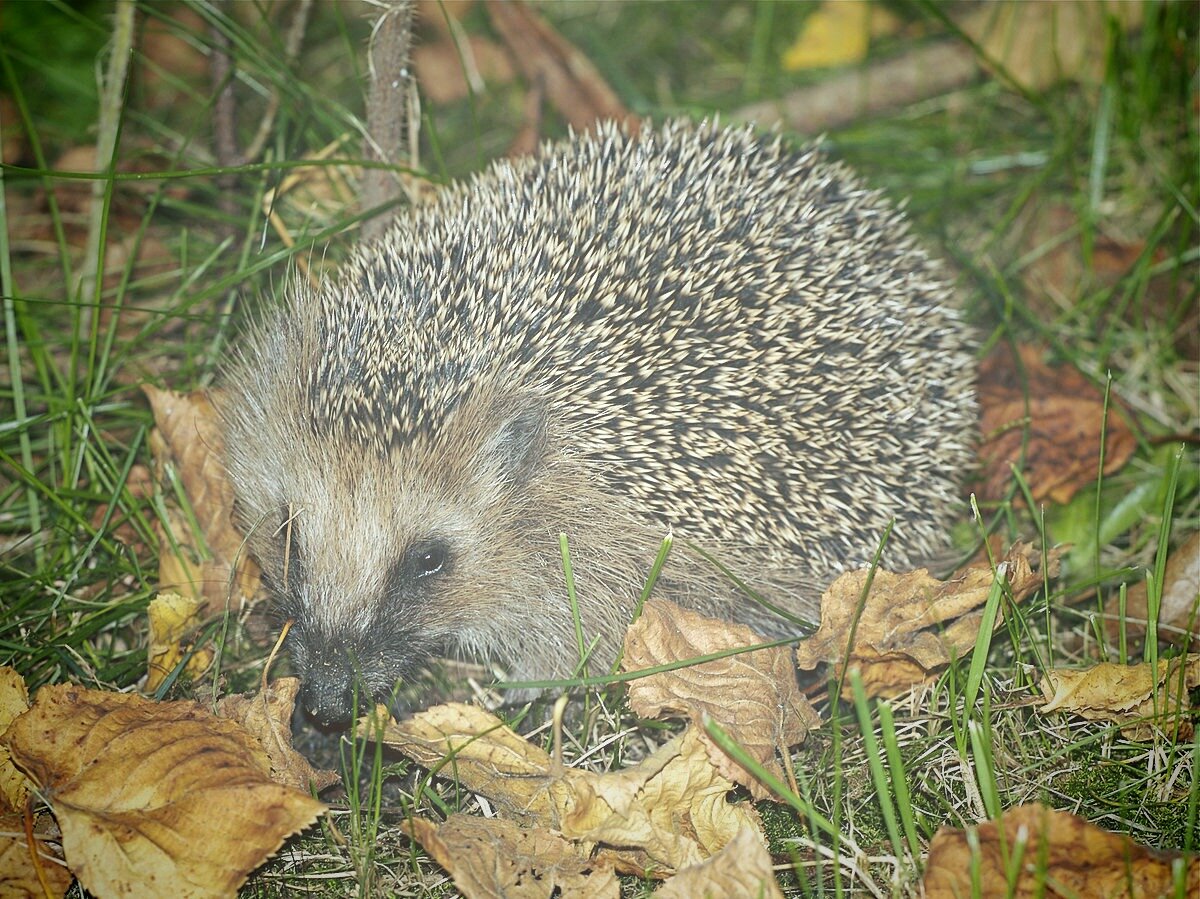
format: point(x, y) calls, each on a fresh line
point(982, 171)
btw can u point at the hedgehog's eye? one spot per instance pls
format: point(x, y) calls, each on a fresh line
point(428, 558)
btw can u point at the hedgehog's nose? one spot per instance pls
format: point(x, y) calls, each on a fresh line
point(328, 693)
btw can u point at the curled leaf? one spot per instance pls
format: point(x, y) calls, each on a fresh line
point(268, 716)
point(1060, 855)
point(912, 625)
point(188, 435)
point(669, 811)
point(754, 696)
point(494, 857)
point(154, 799)
point(1140, 698)
point(172, 617)
point(742, 868)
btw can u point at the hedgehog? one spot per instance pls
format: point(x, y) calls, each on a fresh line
point(686, 329)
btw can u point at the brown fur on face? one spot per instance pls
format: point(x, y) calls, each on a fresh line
point(336, 534)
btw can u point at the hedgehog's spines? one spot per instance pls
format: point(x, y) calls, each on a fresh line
point(717, 333)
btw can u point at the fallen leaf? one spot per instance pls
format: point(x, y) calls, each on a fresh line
point(1140, 698)
point(433, 14)
point(449, 72)
point(1179, 607)
point(1047, 422)
point(188, 435)
point(754, 696)
point(1041, 44)
point(268, 716)
point(173, 617)
point(834, 34)
point(167, 63)
point(1064, 267)
point(912, 625)
point(18, 876)
point(154, 799)
point(473, 746)
point(13, 143)
point(491, 857)
point(181, 566)
point(669, 811)
point(14, 701)
point(573, 85)
point(672, 809)
point(742, 868)
point(1060, 854)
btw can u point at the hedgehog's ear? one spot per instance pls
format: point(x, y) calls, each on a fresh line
point(513, 452)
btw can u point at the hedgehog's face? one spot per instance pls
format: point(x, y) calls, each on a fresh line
point(381, 560)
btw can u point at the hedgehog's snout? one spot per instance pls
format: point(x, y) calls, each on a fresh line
point(329, 687)
point(346, 674)
point(329, 695)
point(336, 681)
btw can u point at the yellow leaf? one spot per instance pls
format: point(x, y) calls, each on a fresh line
point(669, 811)
point(188, 435)
point(1136, 697)
point(742, 868)
point(834, 35)
point(173, 617)
point(912, 625)
point(269, 718)
point(753, 696)
point(18, 876)
point(14, 700)
point(154, 798)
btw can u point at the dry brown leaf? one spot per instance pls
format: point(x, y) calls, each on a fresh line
point(166, 58)
point(491, 857)
point(1061, 411)
point(173, 617)
point(432, 14)
point(742, 868)
point(573, 85)
point(1040, 44)
point(912, 624)
point(154, 799)
point(669, 811)
point(479, 751)
point(1062, 856)
point(14, 701)
point(269, 718)
point(188, 434)
point(1179, 609)
point(1132, 696)
point(18, 876)
point(753, 696)
point(1067, 260)
point(443, 68)
point(13, 143)
point(672, 809)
